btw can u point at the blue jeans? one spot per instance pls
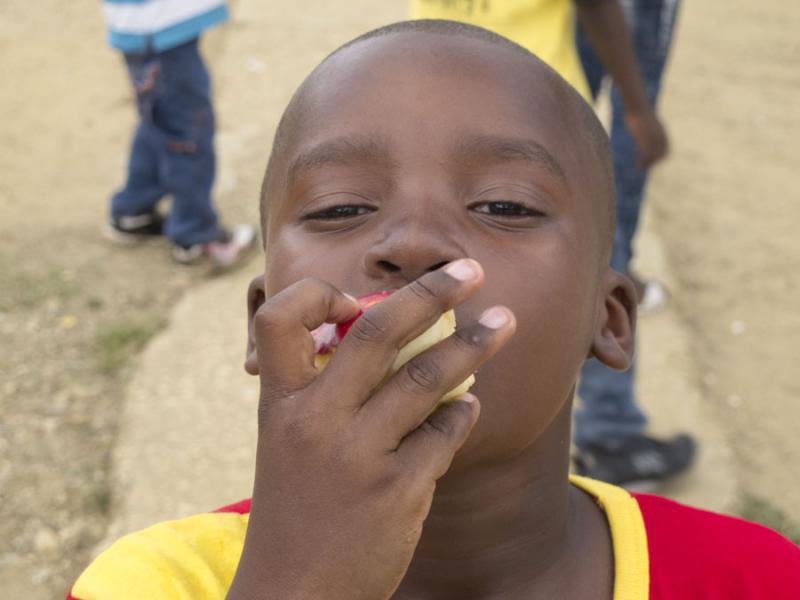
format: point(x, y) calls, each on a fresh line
point(172, 151)
point(608, 414)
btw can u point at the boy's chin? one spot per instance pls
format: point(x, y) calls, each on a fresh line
point(514, 421)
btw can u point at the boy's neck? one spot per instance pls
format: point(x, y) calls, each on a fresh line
point(511, 531)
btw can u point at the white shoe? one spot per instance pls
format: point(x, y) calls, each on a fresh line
point(654, 298)
point(224, 253)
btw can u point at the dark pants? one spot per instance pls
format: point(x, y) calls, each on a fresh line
point(172, 151)
point(608, 413)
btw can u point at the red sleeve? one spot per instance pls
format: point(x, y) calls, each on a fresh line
point(242, 507)
point(700, 555)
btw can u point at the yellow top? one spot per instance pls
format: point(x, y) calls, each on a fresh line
point(545, 27)
point(195, 558)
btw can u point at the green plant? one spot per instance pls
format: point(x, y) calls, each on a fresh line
point(118, 341)
point(754, 508)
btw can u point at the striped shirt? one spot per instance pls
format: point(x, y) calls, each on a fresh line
point(157, 25)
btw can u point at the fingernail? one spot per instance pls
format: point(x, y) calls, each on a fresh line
point(463, 269)
point(467, 397)
point(494, 318)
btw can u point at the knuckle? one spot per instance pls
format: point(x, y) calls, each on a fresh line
point(469, 339)
point(315, 287)
point(435, 424)
point(449, 421)
point(297, 430)
point(423, 374)
point(386, 483)
point(368, 328)
point(269, 317)
point(425, 292)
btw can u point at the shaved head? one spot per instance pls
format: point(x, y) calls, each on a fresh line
point(586, 136)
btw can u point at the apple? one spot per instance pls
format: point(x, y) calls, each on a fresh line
point(328, 336)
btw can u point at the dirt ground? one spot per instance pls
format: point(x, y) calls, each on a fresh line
point(74, 311)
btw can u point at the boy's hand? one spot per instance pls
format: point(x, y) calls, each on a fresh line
point(649, 134)
point(345, 474)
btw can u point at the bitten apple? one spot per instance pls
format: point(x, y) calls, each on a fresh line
point(328, 336)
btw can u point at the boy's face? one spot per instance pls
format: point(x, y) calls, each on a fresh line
point(413, 150)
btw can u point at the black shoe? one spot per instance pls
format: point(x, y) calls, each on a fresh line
point(135, 229)
point(640, 463)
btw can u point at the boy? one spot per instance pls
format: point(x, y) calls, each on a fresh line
point(172, 152)
point(407, 151)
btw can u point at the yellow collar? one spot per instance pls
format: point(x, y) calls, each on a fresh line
point(628, 537)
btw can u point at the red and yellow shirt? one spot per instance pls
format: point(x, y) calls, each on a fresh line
point(662, 551)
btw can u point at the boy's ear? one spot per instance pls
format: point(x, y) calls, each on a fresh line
point(614, 339)
point(255, 298)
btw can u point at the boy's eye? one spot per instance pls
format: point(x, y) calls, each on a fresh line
point(342, 211)
point(505, 208)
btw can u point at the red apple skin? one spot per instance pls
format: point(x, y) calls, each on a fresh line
point(329, 335)
point(366, 302)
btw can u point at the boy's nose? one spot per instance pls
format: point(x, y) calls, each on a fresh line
point(406, 255)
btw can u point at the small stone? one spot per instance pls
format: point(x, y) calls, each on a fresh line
point(46, 540)
point(40, 576)
point(68, 322)
point(256, 65)
point(738, 327)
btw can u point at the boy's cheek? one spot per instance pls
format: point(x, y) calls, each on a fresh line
point(288, 265)
point(522, 390)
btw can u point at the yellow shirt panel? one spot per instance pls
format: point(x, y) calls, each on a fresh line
point(545, 27)
point(187, 559)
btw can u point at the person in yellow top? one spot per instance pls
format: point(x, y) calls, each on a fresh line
point(547, 29)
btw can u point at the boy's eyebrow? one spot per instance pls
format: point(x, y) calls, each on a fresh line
point(498, 148)
point(341, 150)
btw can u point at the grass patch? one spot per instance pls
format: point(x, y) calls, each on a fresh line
point(20, 290)
point(762, 511)
point(117, 342)
point(100, 499)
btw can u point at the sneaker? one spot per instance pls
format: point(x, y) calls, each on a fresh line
point(640, 464)
point(652, 294)
point(135, 229)
point(654, 298)
point(225, 252)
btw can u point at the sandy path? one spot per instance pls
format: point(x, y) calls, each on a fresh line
point(727, 206)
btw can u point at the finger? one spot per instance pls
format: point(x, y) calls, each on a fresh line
point(430, 448)
point(410, 396)
point(282, 329)
point(365, 356)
